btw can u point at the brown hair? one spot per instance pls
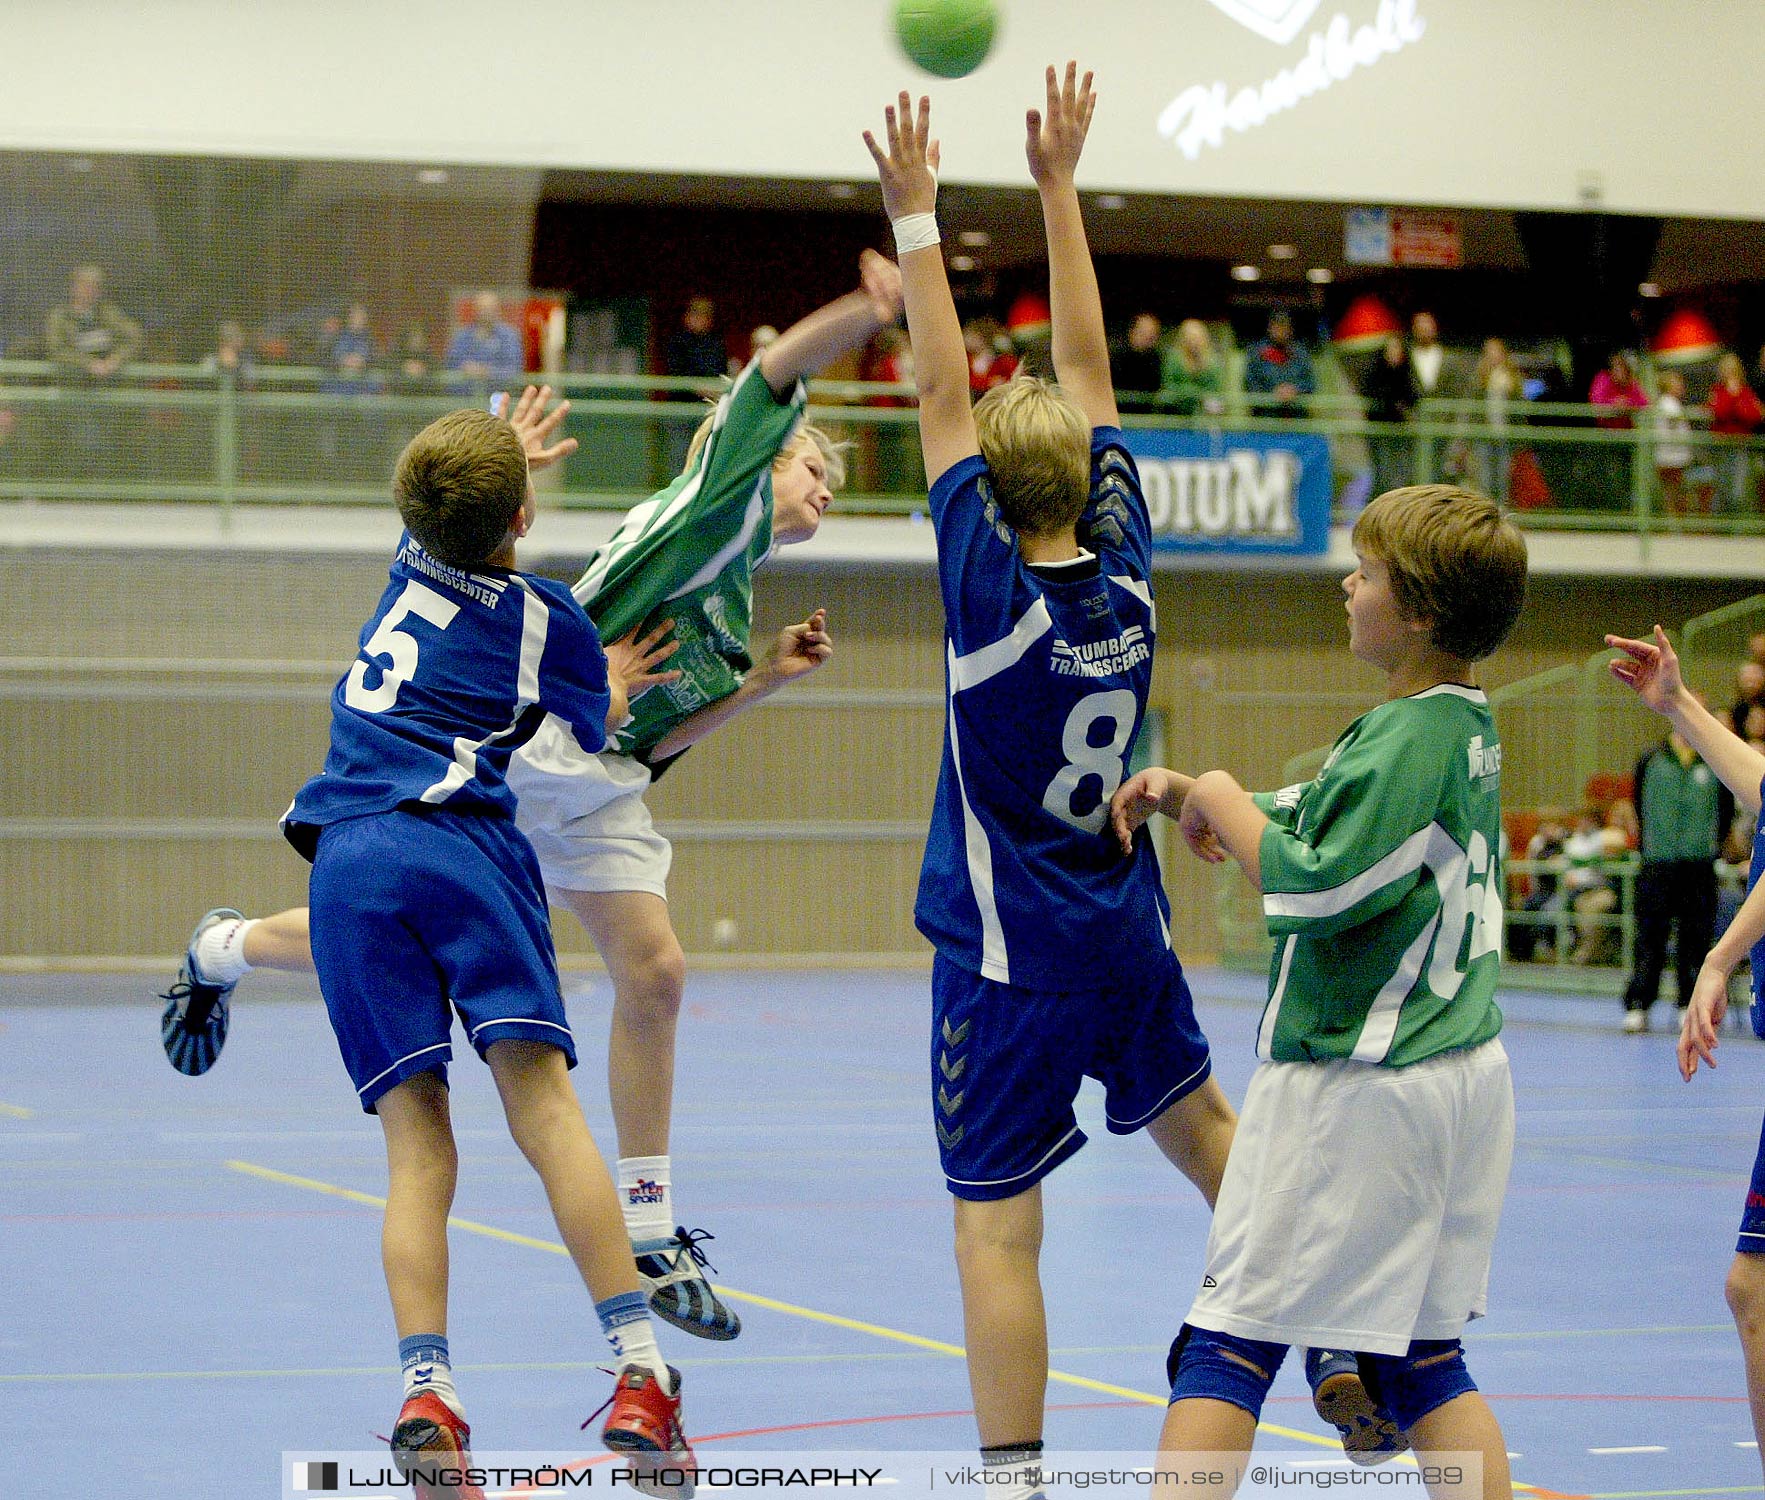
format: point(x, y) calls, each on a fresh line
point(1037, 444)
point(1455, 560)
point(459, 484)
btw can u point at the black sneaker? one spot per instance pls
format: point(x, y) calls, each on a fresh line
point(193, 1028)
point(1370, 1435)
point(677, 1289)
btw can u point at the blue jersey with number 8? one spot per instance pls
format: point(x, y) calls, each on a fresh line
point(1047, 672)
point(455, 671)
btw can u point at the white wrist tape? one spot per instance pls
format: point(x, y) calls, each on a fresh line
point(915, 232)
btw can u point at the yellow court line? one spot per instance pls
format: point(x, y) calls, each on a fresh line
point(814, 1315)
point(16, 1111)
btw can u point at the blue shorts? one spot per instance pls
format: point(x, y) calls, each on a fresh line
point(1007, 1063)
point(411, 911)
point(1752, 1219)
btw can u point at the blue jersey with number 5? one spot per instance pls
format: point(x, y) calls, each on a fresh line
point(455, 671)
point(1047, 671)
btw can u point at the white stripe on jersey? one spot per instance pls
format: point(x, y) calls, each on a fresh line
point(735, 546)
point(642, 517)
point(1140, 590)
point(989, 661)
point(535, 621)
point(1380, 1027)
point(995, 962)
point(1265, 1033)
point(1431, 847)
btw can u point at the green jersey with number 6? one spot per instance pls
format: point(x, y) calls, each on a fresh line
point(688, 554)
point(1382, 888)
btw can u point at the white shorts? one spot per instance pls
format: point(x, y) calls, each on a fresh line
point(585, 815)
point(1360, 1203)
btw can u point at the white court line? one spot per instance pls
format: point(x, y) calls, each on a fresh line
point(1649, 1448)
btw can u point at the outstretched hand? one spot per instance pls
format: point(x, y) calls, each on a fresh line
point(908, 170)
point(634, 661)
point(1650, 668)
point(879, 278)
point(534, 425)
point(1057, 134)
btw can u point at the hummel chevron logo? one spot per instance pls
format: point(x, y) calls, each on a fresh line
point(949, 1138)
point(951, 1070)
point(959, 1036)
point(1208, 1281)
point(946, 1103)
point(1278, 20)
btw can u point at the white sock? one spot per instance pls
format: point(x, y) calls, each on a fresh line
point(426, 1368)
point(220, 952)
point(646, 1197)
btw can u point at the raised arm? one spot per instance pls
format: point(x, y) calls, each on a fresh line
point(940, 362)
point(848, 323)
point(1651, 670)
point(1081, 351)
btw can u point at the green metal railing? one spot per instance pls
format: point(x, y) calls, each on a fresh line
point(280, 434)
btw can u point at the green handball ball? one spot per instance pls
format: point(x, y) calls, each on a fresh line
point(950, 38)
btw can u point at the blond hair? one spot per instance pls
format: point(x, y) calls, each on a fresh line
point(1455, 561)
point(1037, 444)
point(833, 451)
point(459, 484)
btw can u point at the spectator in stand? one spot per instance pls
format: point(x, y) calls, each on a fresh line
point(412, 360)
point(1137, 365)
point(349, 374)
point(485, 352)
point(1499, 382)
point(761, 339)
point(1390, 392)
point(89, 336)
point(694, 349)
point(1619, 395)
point(92, 339)
point(230, 359)
point(1735, 413)
point(1749, 693)
point(1280, 370)
point(350, 359)
point(1439, 373)
point(991, 360)
point(1588, 885)
point(889, 361)
point(1673, 452)
point(1684, 812)
point(1192, 377)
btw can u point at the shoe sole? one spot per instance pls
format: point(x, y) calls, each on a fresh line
point(686, 1323)
point(631, 1442)
point(413, 1443)
point(1367, 1437)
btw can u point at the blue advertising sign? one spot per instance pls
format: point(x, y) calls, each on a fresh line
point(1234, 491)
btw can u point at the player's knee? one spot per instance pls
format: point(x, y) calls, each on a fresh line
point(1213, 1366)
point(1411, 1385)
point(1745, 1291)
point(990, 1232)
point(652, 977)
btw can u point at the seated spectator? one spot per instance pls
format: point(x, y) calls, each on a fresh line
point(231, 356)
point(1137, 364)
point(1192, 377)
point(1735, 412)
point(1617, 388)
point(89, 336)
point(1749, 694)
point(1528, 941)
point(1280, 370)
point(1590, 889)
point(1673, 452)
point(350, 359)
point(412, 360)
point(991, 360)
point(485, 351)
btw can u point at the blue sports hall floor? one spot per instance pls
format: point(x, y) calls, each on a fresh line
point(193, 1285)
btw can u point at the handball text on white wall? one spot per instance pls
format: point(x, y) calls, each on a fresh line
point(1507, 103)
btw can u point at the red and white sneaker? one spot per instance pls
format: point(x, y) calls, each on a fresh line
point(645, 1419)
point(430, 1443)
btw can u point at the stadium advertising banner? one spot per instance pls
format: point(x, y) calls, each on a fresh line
point(1220, 491)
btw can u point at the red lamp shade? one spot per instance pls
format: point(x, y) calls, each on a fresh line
point(1365, 324)
point(1685, 338)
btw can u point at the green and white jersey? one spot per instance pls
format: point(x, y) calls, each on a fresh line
point(1382, 888)
point(688, 554)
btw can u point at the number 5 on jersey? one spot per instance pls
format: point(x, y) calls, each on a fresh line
point(389, 641)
